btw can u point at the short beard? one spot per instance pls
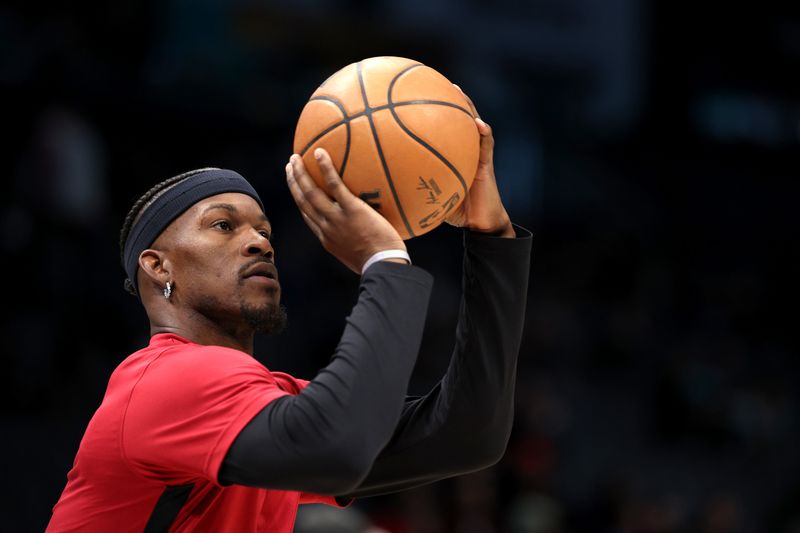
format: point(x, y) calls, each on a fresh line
point(269, 319)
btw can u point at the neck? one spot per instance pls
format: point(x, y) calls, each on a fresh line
point(202, 330)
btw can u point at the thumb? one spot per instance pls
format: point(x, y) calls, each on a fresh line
point(486, 150)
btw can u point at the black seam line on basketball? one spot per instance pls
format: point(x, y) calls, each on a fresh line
point(415, 137)
point(346, 152)
point(425, 102)
point(334, 101)
point(345, 120)
point(319, 136)
point(432, 150)
point(350, 118)
point(368, 112)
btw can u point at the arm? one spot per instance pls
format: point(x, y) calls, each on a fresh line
point(464, 423)
point(325, 439)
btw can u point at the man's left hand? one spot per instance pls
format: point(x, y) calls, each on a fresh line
point(482, 210)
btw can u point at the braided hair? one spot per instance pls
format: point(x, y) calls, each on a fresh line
point(145, 201)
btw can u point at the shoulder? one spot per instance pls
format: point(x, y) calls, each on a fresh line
point(187, 382)
point(196, 370)
point(290, 384)
point(212, 355)
point(195, 358)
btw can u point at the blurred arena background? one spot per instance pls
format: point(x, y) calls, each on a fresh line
point(651, 146)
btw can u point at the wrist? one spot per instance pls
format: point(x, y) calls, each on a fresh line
point(503, 228)
point(507, 231)
point(394, 256)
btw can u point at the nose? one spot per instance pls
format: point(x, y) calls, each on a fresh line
point(258, 244)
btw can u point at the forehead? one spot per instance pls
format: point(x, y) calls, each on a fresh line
point(241, 204)
point(235, 204)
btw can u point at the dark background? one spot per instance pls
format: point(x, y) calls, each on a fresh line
point(651, 146)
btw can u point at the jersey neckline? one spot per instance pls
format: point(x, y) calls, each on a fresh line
point(160, 339)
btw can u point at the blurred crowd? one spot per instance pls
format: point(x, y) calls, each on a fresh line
point(651, 150)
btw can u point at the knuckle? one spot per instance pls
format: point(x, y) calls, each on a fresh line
point(324, 162)
point(318, 198)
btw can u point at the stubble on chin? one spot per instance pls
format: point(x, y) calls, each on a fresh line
point(269, 318)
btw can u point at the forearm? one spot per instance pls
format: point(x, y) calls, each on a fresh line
point(463, 424)
point(325, 439)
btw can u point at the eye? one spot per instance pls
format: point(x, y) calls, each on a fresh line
point(224, 225)
point(265, 234)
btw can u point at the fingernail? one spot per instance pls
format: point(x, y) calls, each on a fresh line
point(289, 168)
point(318, 153)
point(480, 121)
point(456, 86)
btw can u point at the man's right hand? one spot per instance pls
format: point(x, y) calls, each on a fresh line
point(347, 227)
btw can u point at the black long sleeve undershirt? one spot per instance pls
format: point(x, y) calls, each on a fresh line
point(325, 439)
point(462, 425)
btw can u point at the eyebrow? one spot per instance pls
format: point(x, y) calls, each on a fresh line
point(232, 209)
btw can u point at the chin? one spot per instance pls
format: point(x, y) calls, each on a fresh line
point(269, 318)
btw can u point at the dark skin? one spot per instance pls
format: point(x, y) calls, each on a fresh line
point(207, 254)
point(219, 261)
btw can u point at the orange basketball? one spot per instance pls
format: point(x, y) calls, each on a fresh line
point(402, 137)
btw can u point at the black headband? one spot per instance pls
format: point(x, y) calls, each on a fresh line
point(172, 203)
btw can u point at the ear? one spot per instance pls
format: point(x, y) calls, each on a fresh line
point(155, 266)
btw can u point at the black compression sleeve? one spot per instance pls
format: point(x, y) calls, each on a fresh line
point(464, 423)
point(325, 439)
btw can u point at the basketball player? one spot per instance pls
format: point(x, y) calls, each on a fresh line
point(194, 434)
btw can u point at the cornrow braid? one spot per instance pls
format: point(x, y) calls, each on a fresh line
point(145, 201)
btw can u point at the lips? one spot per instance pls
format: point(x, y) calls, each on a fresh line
point(262, 269)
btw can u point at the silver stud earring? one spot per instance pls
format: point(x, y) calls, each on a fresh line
point(168, 290)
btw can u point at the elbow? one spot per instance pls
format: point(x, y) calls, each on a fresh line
point(494, 450)
point(344, 476)
point(478, 454)
point(496, 443)
point(490, 447)
point(324, 468)
point(347, 464)
point(488, 451)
